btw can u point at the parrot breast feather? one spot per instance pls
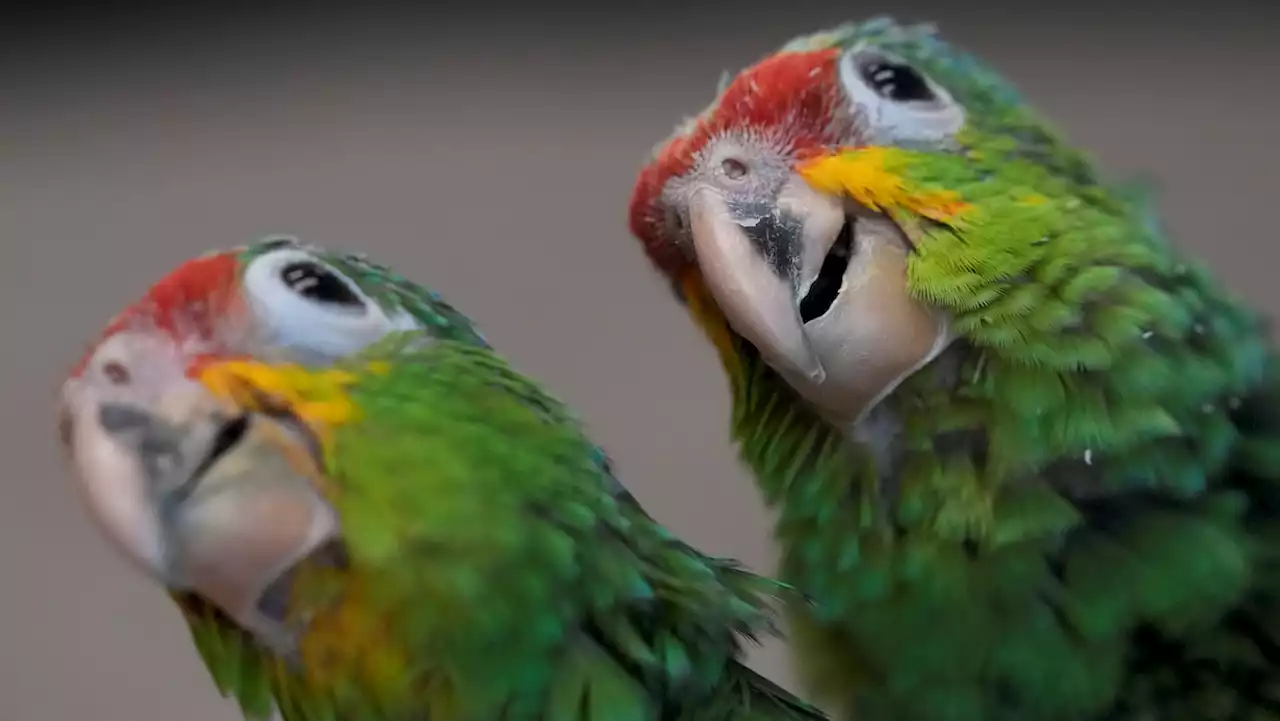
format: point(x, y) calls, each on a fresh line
point(513, 569)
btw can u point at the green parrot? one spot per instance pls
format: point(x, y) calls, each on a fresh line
point(364, 513)
point(1024, 453)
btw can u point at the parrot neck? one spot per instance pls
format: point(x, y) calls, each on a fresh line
point(783, 439)
point(961, 445)
point(345, 661)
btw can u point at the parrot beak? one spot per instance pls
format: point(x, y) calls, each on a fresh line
point(755, 259)
point(211, 496)
point(818, 285)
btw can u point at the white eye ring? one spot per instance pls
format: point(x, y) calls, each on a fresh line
point(303, 304)
point(897, 121)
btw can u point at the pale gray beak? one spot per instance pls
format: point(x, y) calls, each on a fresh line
point(231, 498)
point(758, 260)
point(819, 285)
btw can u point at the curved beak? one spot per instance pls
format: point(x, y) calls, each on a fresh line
point(230, 492)
point(759, 259)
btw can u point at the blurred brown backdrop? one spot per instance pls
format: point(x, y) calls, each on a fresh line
point(491, 158)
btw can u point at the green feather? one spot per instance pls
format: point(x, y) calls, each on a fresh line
point(1080, 517)
point(507, 571)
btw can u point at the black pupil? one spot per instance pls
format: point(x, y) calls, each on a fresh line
point(314, 281)
point(897, 82)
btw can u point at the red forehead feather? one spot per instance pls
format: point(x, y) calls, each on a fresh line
point(187, 301)
point(794, 94)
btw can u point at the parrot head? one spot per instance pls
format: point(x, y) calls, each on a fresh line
point(797, 212)
point(142, 429)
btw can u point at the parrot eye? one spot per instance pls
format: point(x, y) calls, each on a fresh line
point(303, 304)
point(895, 81)
point(894, 102)
point(312, 280)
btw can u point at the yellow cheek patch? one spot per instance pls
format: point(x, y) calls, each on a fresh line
point(867, 176)
point(317, 397)
point(708, 316)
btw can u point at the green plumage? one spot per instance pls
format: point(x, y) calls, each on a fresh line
point(492, 566)
point(1077, 514)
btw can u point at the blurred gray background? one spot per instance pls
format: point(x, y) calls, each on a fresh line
point(489, 152)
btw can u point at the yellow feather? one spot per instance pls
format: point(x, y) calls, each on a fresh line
point(866, 175)
point(708, 316)
point(318, 397)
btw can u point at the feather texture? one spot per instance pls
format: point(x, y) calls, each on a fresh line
point(1074, 515)
point(492, 565)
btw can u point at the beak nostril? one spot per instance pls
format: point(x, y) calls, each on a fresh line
point(116, 373)
point(733, 168)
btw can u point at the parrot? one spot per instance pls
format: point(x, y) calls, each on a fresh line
point(1022, 451)
point(363, 512)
